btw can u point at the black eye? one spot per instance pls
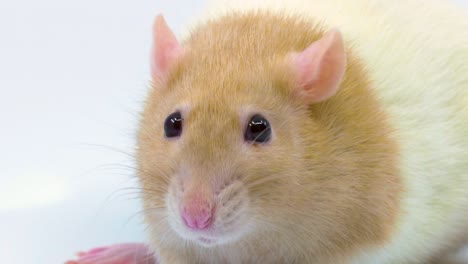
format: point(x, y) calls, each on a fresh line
point(173, 125)
point(258, 130)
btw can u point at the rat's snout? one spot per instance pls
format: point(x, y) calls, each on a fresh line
point(197, 211)
point(207, 214)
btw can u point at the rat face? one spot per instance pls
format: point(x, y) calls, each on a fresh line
point(215, 155)
point(238, 139)
point(220, 146)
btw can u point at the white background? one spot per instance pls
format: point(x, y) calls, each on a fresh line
point(72, 78)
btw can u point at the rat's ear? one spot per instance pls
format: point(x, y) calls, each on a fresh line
point(319, 69)
point(166, 49)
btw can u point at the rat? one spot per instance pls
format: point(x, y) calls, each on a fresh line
point(306, 132)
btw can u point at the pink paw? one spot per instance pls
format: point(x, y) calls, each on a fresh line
point(130, 253)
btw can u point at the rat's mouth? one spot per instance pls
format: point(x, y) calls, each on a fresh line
point(207, 242)
point(225, 228)
point(223, 231)
point(215, 235)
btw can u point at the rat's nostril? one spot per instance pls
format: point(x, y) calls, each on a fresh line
point(197, 218)
point(206, 222)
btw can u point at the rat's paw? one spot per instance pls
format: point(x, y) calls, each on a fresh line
point(130, 253)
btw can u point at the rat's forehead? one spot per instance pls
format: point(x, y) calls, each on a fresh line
point(221, 86)
point(222, 71)
point(222, 95)
point(226, 89)
point(198, 105)
point(214, 107)
point(227, 100)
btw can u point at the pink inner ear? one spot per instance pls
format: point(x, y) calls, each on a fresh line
point(166, 49)
point(320, 67)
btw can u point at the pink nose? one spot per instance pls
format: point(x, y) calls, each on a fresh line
point(197, 216)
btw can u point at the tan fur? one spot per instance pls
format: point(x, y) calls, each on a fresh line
point(327, 184)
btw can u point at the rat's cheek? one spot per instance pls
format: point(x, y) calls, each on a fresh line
point(233, 208)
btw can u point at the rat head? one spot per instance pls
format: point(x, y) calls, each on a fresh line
point(228, 145)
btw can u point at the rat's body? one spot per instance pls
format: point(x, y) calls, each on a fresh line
point(376, 173)
point(416, 53)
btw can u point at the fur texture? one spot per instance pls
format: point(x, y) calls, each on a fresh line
point(375, 174)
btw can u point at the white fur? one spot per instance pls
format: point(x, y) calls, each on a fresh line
point(416, 52)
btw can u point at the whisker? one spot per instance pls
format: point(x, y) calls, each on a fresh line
point(257, 182)
point(110, 148)
point(141, 212)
